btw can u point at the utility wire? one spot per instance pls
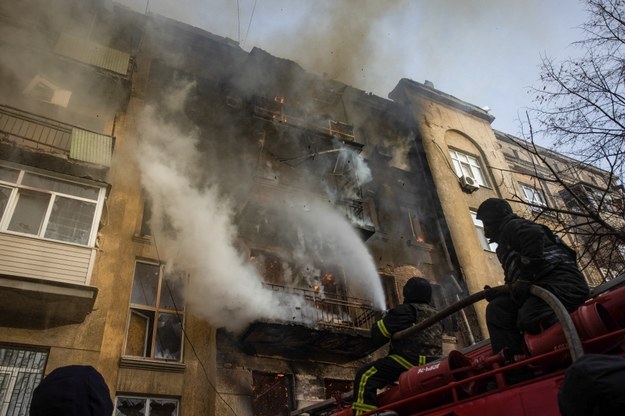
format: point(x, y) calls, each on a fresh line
point(239, 21)
point(250, 23)
point(186, 336)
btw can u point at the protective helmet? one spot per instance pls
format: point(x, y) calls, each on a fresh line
point(417, 290)
point(493, 210)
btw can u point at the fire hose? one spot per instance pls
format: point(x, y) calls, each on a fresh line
point(570, 333)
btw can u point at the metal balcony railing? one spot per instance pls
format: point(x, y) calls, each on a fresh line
point(47, 135)
point(330, 311)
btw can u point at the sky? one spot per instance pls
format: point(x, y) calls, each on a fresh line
point(485, 52)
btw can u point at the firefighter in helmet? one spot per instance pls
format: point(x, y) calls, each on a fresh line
point(416, 349)
point(530, 254)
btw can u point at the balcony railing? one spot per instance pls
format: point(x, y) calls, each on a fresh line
point(44, 134)
point(336, 312)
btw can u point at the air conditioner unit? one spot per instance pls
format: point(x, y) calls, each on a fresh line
point(468, 184)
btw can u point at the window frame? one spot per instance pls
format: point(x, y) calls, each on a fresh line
point(18, 188)
point(479, 228)
point(525, 188)
point(474, 164)
point(148, 399)
point(155, 310)
point(13, 372)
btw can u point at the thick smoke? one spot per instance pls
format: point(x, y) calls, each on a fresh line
point(194, 228)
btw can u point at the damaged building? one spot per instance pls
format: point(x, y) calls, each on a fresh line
point(216, 230)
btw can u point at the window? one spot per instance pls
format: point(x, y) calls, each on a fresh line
point(333, 386)
point(273, 394)
point(479, 227)
point(21, 371)
point(469, 166)
point(145, 406)
point(533, 196)
point(46, 207)
point(155, 324)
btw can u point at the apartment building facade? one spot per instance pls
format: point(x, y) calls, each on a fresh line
point(148, 167)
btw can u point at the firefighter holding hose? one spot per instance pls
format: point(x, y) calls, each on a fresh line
point(417, 349)
point(530, 254)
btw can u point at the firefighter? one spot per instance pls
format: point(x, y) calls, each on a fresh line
point(416, 349)
point(530, 254)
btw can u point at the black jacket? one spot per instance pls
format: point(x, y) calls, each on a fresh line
point(427, 342)
point(531, 252)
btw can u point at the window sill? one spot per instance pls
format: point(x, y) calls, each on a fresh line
point(151, 365)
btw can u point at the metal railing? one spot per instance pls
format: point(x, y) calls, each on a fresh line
point(334, 311)
point(44, 133)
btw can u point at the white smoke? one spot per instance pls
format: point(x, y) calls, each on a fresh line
point(193, 226)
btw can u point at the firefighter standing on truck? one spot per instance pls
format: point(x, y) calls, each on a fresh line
point(416, 349)
point(530, 254)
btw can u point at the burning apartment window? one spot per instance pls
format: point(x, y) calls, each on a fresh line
point(155, 324)
point(272, 394)
point(145, 406)
point(334, 386)
point(479, 227)
point(21, 370)
point(47, 207)
point(468, 166)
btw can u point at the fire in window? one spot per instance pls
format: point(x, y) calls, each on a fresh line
point(272, 394)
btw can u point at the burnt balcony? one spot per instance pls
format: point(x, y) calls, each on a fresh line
point(340, 331)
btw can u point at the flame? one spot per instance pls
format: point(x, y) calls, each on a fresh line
point(328, 278)
point(315, 287)
point(420, 239)
point(279, 99)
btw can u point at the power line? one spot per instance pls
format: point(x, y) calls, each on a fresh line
point(186, 336)
point(250, 23)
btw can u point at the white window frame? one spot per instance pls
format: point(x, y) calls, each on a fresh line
point(533, 195)
point(147, 403)
point(17, 186)
point(467, 165)
point(479, 228)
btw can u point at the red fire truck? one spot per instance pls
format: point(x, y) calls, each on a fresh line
point(471, 381)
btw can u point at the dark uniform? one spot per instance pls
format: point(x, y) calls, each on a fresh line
point(417, 349)
point(530, 254)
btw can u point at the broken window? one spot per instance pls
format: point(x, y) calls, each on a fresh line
point(272, 394)
point(21, 370)
point(155, 325)
point(145, 406)
point(334, 386)
point(47, 207)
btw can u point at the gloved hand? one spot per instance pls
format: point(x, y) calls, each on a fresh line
point(520, 291)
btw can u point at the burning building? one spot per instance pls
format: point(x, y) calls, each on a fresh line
point(216, 230)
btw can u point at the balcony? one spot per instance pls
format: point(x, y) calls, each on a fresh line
point(44, 283)
point(35, 133)
point(340, 332)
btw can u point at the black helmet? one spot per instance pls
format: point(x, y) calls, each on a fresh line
point(417, 290)
point(493, 210)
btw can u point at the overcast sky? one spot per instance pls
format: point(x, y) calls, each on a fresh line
point(485, 52)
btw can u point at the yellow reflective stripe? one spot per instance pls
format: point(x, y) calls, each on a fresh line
point(401, 361)
point(383, 329)
point(422, 360)
point(362, 407)
point(359, 403)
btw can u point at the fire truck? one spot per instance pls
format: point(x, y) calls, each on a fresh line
point(472, 382)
